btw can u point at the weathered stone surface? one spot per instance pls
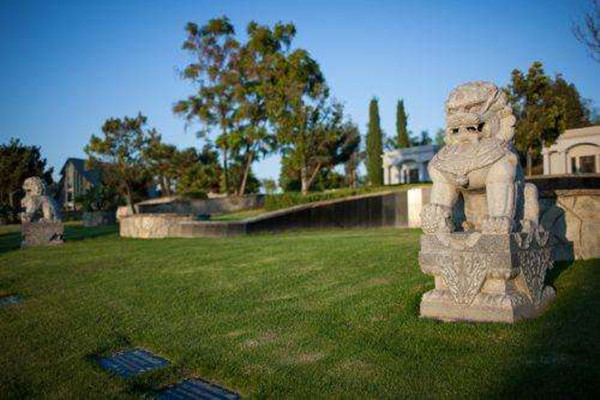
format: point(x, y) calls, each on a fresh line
point(152, 226)
point(573, 218)
point(40, 221)
point(486, 277)
point(494, 269)
point(41, 233)
point(37, 204)
point(99, 218)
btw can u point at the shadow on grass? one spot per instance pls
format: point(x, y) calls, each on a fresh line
point(10, 241)
point(561, 357)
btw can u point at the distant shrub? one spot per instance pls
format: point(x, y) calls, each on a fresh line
point(290, 199)
point(8, 215)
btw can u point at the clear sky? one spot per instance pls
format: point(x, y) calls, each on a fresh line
point(67, 66)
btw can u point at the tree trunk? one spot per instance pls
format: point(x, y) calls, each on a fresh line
point(529, 161)
point(166, 186)
point(129, 198)
point(307, 183)
point(246, 172)
point(226, 172)
point(304, 180)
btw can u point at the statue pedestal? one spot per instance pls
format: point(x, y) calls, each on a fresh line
point(493, 278)
point(41, 233)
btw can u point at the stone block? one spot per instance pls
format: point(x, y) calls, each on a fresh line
point(491, 278)
point(48, 233)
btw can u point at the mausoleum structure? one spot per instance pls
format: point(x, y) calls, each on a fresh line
point(482, 241)
point(41, 224)
point(576, 151)
point(407, 165)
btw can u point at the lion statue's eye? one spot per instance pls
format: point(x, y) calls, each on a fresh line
point(454, 130)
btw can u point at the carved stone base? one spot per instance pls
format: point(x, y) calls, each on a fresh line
point(41, 234)
point(493, 278)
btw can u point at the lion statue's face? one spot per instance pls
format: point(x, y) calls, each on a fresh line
point(34, 186)
point(478, 110)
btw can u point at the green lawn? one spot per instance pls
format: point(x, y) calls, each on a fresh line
point(299, 315)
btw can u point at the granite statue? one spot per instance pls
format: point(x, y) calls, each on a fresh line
point(482, 241)
point(41, 223)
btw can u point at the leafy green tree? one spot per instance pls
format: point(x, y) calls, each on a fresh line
point(260, 57)
point(353, 155)
point(402, 140)
point(374, 145)
point(339, 145)
point(422, 140)
point(198, 171)
point(161, 161)
point(214, 52)
point(587, 31)
point(439, 137)
point(577, 110)
point(17, 163)
point(540, 113)
point(304, 121)
point(99, 198)
point(119, 153)
point(269, 185)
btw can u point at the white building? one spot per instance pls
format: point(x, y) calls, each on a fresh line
point(407, 165)
point(576, 151)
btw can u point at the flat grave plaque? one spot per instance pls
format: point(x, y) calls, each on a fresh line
point(10, 300)
point(193, 389)
point(133, 362)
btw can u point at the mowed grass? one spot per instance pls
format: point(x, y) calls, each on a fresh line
point(313, 314)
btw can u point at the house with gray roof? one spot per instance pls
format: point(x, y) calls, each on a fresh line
point(75, 180)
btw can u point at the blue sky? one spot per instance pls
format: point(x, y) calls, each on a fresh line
point(67, 66)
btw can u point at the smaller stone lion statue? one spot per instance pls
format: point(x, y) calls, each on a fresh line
point(37, 205)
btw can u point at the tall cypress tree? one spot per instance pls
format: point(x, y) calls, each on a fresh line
point(374, 145)
point(401, 128)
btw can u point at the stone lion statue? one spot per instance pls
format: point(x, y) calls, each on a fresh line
point(37, 205)
point(479, 164)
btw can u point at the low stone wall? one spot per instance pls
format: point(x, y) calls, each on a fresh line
point(152, 226)
point(573, 217)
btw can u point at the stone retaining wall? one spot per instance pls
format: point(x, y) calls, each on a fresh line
point(152, 226)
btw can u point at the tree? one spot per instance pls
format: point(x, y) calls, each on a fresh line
point(214, 51)
point(328, 142)
point(402, 140)
point(258, 65)
point(269, 185)
point(304, 120)
point(374, 145)
point(440, 135)
point(354, 157)
point(577, 110)
point(198, 171)
point(587, 31)
point(119, 153)
point(539, 112)
point(422, 140)
point(17, 163)
point(160, 159)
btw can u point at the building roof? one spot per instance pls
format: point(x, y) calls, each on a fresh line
point(580, 132)
point(93, 176)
